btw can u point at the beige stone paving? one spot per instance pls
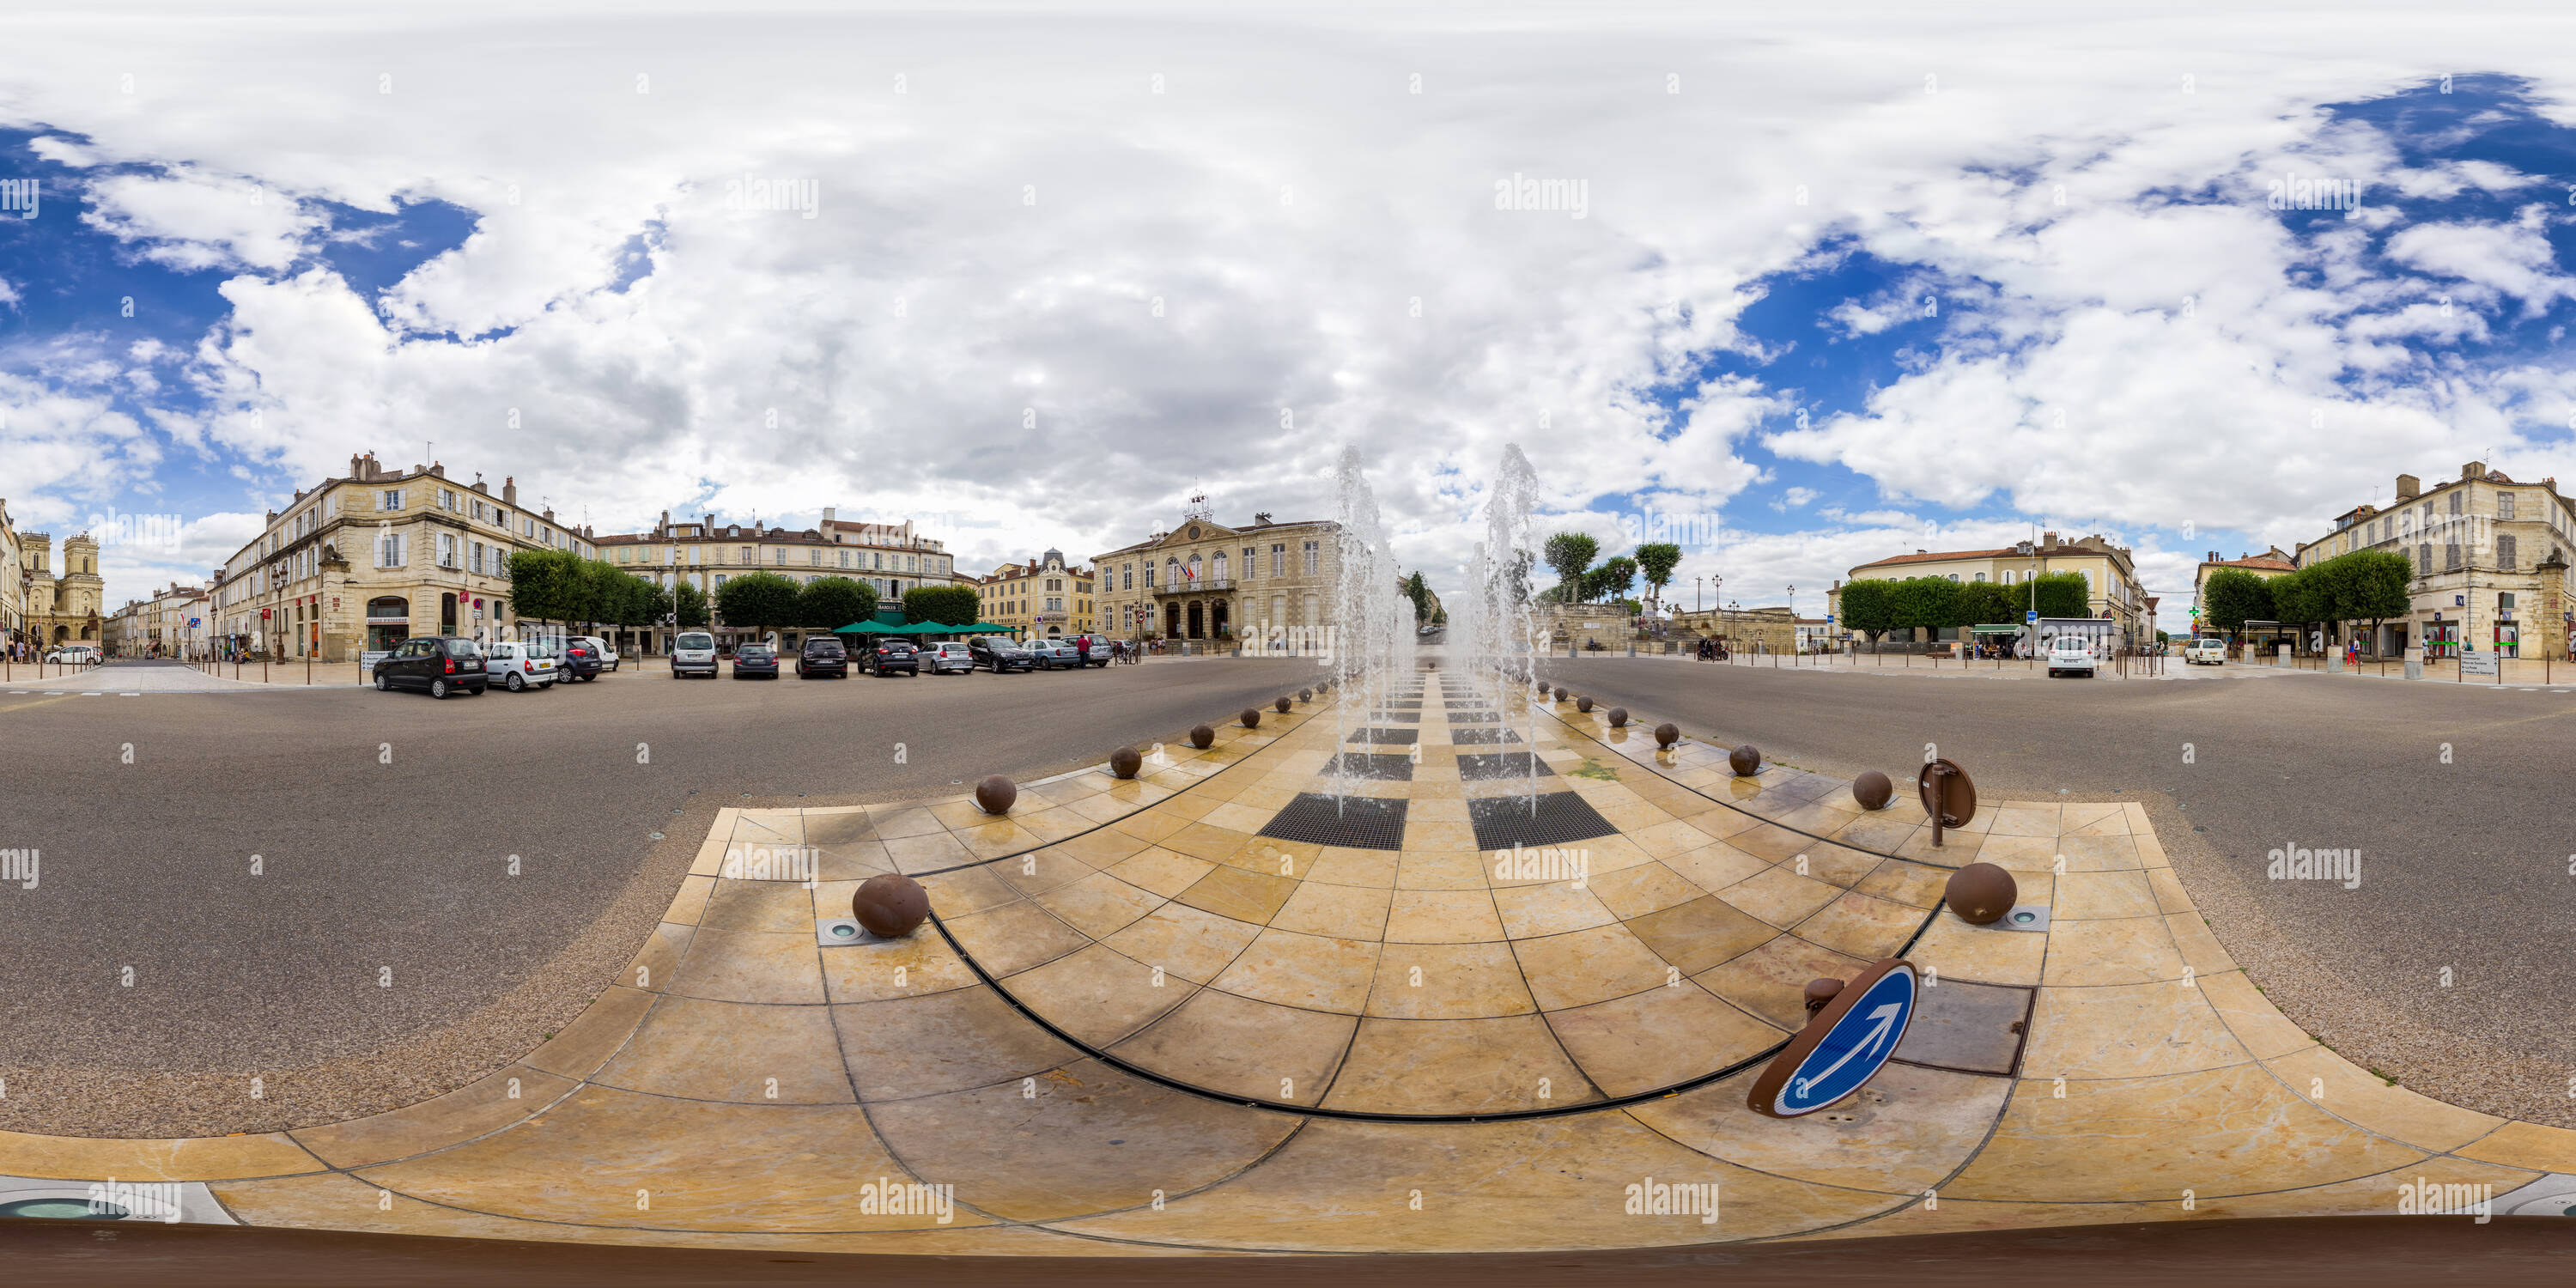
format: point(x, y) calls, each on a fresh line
point(741, 1086)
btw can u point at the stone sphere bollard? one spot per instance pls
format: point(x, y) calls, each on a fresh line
point(1251, 717)
point(1583, 703)
point(1560, 693)
point(1981, 893)
point(994, 794)
point(1305, 695)
point(1618, 717)
point(1202, 737)
point(1125, 761)
point(1745, 760)
point(1872, 790)
point(890, 906)
point(1667, 734)
point(1283, 705)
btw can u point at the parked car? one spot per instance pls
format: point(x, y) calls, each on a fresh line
point(580, 660)
point(758, 661)
point(1000, 653)
point(2205, 649)
point(2070, 655)
point(438, 664)
point(1055, 655)
point(945, 658)
point(517, 667)
point(607, 655)
point(890, 655)
point(823, 655)
point(694, 653)
point(74, 654)
point(1094, 649)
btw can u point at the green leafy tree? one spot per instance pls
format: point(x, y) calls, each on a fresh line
point(2057, 594)
point(1868, 607)
point(1656, 560)
point(1419, 591)
point(545, 584)
point(1927, 603)
point(658, 604)
point(2300, 597)
point(830, 603)
point(1611, 580)
point(2377, 588)
point(689, 607)
point(946, 605)
point(758, 600)
point(2232, 597)
point(1571, 554)
point(1988, 603)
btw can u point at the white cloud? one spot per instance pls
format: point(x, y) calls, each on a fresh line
point(192, 220)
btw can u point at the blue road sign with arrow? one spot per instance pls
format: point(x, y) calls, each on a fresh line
point(1843, 1046)
point(2030, 617)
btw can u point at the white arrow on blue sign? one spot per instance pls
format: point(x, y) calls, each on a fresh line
point(1847, 1042)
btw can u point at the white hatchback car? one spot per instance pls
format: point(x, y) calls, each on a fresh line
point(520, 667)
point(2207, 650)
point(2070, 655)
point(947, 658)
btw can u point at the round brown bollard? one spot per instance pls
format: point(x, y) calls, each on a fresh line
point(1125, 761)
point(1667, 734)
point(1583, 703)
point(1283, 705)
point(994, 794)
point(1618, 717)
point(1305, 695)
point(1251, 717)
point(1981, 893)
point(1872, 790)
point(1560, 693)
point(890, 906)
point(1202, 737)
point(1745, 760)
point(1821, 991)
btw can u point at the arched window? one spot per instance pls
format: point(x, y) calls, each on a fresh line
point(1216, 566)
point(389, 608)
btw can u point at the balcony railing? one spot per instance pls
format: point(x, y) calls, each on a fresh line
point(1188, 587)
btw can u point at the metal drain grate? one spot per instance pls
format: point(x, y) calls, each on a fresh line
point(1353, 822)
point(1482, 737)
point(1506, 765)
point(1396, 737)
point(1505, 821)
point(1474, 717)
point(1397, 717)
point(1384, 768)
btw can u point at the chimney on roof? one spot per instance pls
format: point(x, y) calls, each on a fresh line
point(828, 512)
point(2048, 539)
point(353, 466)
point(510, 489)
point(2474, 469)
point(2409, 487)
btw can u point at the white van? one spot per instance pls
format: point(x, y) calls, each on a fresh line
point(694, 653)
point(2205, 649)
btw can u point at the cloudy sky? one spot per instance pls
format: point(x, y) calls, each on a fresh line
point(1815, 289)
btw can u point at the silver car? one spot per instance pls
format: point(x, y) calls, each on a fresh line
point(518, 667)
point(694, 653)
point(947, 658)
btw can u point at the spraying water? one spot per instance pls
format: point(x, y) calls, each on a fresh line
point(1496, 638)
point(1374, 648)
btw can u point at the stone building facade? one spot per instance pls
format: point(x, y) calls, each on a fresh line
point(1204, 580)
point(362, 562)
point(2490, 554)
point(62, 608)
point(890, 557)
point(1040, 599)
point(2110, 576)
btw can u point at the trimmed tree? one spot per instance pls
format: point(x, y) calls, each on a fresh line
point(946, 605)
point(689, 607)
point(759, 600)
point(2233, 597)
point(1656, 561)
point(1611, 580)
point(830, 603)
point(1927, 603)
point(2378, 588)
point(1867, 608)
point(1571, 554)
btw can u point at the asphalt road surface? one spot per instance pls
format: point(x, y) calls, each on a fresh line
point(2448, 966)
point(385, 825)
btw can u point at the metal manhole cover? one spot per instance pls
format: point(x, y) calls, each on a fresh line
point(1482, 737)
point(1502, 822)
point(1353, 822)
